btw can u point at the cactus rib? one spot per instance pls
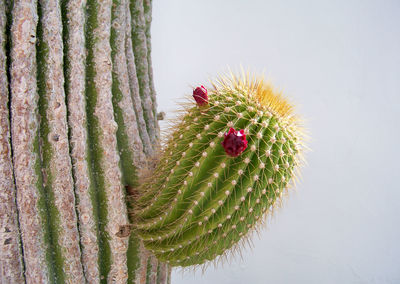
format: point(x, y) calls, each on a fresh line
point(139, 44)
point(74, 21)
point(11, 263)
point(134, 84)
point(147, 7)
point(56, 163)
point(25, 143)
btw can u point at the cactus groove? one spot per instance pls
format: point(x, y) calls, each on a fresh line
point(78, 117)
point(200, 202)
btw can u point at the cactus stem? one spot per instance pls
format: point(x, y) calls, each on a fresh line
point(78, 117)
point(74, 21)
point(24, 130)
point(102, 128)
point(139, 44)
point(131, 149)
point(11, 263)
point(209, 189)
point(147, 7)
point(56, 161)
point(134, 85)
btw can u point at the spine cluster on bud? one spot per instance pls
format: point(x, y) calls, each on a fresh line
point(227, 162)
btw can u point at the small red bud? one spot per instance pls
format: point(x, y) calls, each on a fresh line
point(200, 96)
point(234, 142)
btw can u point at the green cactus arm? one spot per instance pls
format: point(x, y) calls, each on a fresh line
point(201, 218)
point(11, 263)
point(202, 205)
point(231, 232)
point(188, 146)
point(267, 196)
point(178, 174)
point(200, 175)
point(195, 136)
point(182, 141)
point(233, 212)
point(200, 202)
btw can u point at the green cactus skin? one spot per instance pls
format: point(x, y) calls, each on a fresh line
point(199, 202)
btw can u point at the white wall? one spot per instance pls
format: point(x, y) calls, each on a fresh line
point(339, 61)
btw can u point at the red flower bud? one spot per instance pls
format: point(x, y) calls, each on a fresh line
point(234, 142)
point(200, 96)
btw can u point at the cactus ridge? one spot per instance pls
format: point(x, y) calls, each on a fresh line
point(199, 202)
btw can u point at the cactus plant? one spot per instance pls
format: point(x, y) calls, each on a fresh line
point(78, 116)
point(226, 162)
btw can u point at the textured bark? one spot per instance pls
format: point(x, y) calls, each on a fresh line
point(139, 43)
point(147, 5)
point(56, 160)
point(77, 125)
point(162, 273)
point(153, 269)
point(141, 274)
point(24, 131)
point(107, 144)
point(122, 92)
point(134, 87)
point(75, 88)
point(11, 268)
point(169, 274)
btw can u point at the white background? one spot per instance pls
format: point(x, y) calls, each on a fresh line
point(339, 62)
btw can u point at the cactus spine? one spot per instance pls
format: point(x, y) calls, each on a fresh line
point(200, 202)
point(78, 116)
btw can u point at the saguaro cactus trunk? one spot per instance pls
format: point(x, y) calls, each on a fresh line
point(78, 116)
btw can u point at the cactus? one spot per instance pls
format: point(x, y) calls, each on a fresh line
point(77, 117)
point(225, 163)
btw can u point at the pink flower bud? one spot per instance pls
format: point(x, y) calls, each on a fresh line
point(234, 142)
point(200, 96)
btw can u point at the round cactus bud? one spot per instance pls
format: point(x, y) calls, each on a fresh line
point(234, 142)
point(200, 96)
point(208, 190)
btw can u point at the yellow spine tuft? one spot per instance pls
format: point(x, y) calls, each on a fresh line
point(258, 90)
